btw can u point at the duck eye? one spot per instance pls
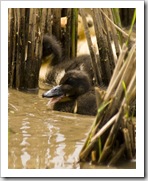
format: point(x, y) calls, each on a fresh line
point(70, 80)
point(90, 24)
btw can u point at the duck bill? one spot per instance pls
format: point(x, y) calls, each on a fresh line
point(54, 92)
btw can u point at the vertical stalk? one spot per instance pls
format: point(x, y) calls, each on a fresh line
point(74, 32)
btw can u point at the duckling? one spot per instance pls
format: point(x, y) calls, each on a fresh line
point(82, 45)
point(74, 94)
point(82, 63)
point(54, 65)
point(51, 55)
point(89, 20)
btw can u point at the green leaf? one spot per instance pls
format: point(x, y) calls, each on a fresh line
point(124, 87)
point(101, 108)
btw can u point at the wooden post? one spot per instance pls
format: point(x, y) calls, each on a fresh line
point(56, 28)
point(25, 47)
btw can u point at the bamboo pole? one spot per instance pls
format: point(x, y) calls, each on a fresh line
point(74, 32)
point(109, 42)
point(25, 47)
point(117, 155)
point(68, 36)
point(109, 120)
point(127, 143)
point(12, 42)
point(103, 48)
point(114, 34)
point(48, 20)
point(10, 46)
point(117, 20)
point(94, 138)
point(128, 70)
point(90, 45)
point(56, 27)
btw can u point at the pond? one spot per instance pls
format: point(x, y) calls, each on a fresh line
point(41, 138)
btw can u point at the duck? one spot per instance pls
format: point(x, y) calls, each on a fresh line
point(51, 55)
point(82, 45)
point(74, 94)
point(55, 65)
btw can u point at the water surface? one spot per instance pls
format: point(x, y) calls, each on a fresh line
point(41, 138)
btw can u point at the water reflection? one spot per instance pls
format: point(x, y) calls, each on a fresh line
point(40, 138)
point(25, 157)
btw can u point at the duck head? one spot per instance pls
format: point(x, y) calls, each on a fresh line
point(90, 23)
point(72, 85)
point(51, 55)
point(51, 50)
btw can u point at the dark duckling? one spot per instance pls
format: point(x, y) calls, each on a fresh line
point(54, 65)
point(51, 55)
point(74, 94)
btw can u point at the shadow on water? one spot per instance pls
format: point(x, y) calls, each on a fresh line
point(41, 138)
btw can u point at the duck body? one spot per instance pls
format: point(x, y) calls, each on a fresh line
point(74, 94)
point(83, 49)
point(54, 65)
point(82, 63)
point(85, 104)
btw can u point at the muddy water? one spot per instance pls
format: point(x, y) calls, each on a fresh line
point(40, 138)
